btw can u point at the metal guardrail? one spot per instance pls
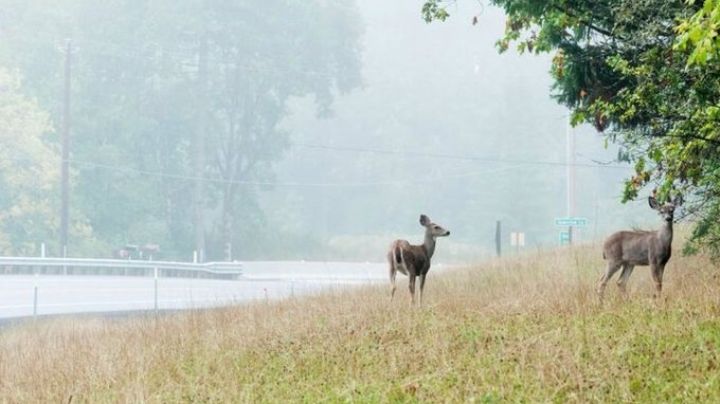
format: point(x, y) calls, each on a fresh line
point(33, 265)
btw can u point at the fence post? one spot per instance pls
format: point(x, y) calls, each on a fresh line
point(156, 289)
point(228, 252)
point(42, 254)
point(35, 296)
point(498, 238)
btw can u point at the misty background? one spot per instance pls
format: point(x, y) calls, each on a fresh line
point(268, 130)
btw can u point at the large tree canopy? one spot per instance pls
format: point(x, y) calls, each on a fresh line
point(638, 71)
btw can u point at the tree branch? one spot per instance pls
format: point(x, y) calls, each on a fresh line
point(588, 24)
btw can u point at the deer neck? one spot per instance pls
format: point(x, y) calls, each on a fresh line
point(665, 234)
point(429, 244)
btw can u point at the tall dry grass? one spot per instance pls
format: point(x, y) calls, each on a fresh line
point(527, 328)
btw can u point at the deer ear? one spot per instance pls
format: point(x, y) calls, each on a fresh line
point(424, 220)
point(653, 202)
point(678, 200)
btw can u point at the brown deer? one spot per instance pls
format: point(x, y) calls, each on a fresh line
point(629, 248)
point(414, 260)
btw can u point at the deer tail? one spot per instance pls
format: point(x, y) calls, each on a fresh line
point(398, 255)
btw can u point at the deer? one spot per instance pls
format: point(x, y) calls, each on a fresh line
point(627, 249)
point(414, 260)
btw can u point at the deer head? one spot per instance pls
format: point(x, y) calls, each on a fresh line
point(666, 210)
point(433, 229)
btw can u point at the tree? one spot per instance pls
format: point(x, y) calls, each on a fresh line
point(252, 80)
point(29, 173)
point(631, 70)
point(698, 36)
point(175, 99)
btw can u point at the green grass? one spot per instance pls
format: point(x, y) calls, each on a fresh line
point(523, 329)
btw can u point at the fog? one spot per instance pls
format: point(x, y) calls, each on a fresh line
point(274, 130)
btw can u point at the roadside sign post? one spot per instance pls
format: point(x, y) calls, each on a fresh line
point(566, 237)
point(517, 240)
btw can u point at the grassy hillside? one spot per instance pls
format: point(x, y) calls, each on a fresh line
point(522, 329)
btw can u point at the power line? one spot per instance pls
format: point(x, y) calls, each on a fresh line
point(508, 165)
point(456, 156)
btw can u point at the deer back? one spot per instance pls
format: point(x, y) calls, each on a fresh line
point(630, 247)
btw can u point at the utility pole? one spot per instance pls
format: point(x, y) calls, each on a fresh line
point(570, 139)
point(199, 152)
point(65, 164)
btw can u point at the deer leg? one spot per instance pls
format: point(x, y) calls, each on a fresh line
point(657, 274)
point(612, 267)
point(624, 276)
point(393, 274)
point(393, 283)
point(422, 286)
point(411, 286)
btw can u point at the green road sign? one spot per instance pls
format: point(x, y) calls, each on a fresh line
point(571, 221)
point(564, 237)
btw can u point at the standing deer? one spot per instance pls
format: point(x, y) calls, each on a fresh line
point(629, 248)
point(414, 260)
